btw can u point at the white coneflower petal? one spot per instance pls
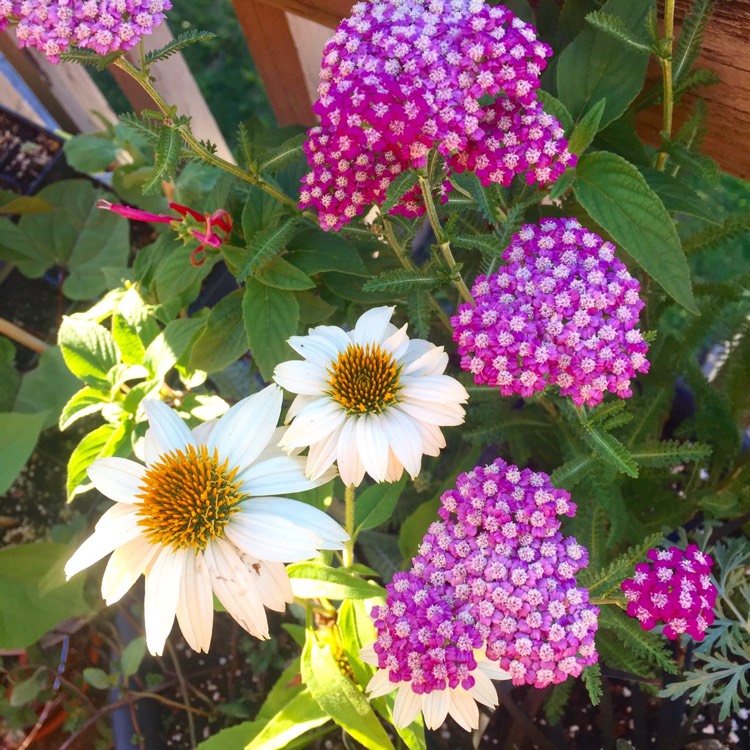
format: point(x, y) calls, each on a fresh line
point(356, 394)
point(435, 706)
point(463, 708)
point(203, 516)
point(162, 591)
point(117, 478)
point(406, 707)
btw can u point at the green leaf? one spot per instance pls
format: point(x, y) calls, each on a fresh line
point(301, 714)
point(587, 128)
point(263, 245)
point(18, 436)
point(170, 345)
point(168, 152)
point(32, 580)
point(615, 27)
point(611, 450)
point(10, 378)
point(271, 317)
point(482, 199)
point(678, 197)
point(670, 452)
point(27, 690)
point(338, 696)
point(592, 68)
point(314, 579)
point(90, 153)
point(105, 440)
point(13, 204)
point(97, 678)
point(284, 154)
point(314, 251)
point(396, 190)
point(261, 211)
point(375, 505)
point(617, 197)
point(132, 656)
point(557, 109)
point(86, 401)
point(403, 281)
point(133, 326)
point(281, 274)
point(177, 44)
point(224, 339)
point(592, 679)
point(690, 40)
point(89, 349)
point(572, 472)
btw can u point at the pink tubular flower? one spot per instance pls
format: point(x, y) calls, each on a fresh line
point(399, 80)
point(493, 574)
point(562, 312)
point(676, 589)
point(188, 228)
point(52, 26)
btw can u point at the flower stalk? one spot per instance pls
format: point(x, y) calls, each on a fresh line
point(349, 496)
point(665, 60)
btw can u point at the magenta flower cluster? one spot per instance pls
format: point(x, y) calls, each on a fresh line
point(675, 588)
point(494, 573)
point(53, 26)
point(401, 78)
point(563, 311)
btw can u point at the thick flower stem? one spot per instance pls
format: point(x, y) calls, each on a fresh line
point(443, 244)
point(666, 68)
point(409, 265)
point(349, 495)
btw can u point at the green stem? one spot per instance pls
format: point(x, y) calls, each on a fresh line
point(443, 244)
point(349, 494)
point(666, 68)
point(410, 265)
point(198, 148)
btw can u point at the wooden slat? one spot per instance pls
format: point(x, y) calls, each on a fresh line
point(326, 12)
point(727, 52)
point(66, 89)
point(276, 56)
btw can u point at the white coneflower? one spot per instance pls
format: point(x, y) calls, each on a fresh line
point(372, 400)
point(203, 517)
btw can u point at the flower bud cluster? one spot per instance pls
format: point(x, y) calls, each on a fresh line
point(675, 588)
point(494, 573)
point(52, 26)
point(401, 78)
point(563, 312)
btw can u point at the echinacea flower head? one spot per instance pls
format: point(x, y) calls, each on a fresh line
point(104, 26)
point(209, 229)
point(206, 515)
point(674, 588)
point(371, 399)
point(563, 311)
point(399, 80)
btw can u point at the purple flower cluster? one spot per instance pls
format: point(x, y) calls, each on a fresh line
point(562, 312)
point(52, 26)
point(496, 573)
point(676, 589)
point(400, 78)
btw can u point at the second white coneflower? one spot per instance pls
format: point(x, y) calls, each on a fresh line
point(371, 400)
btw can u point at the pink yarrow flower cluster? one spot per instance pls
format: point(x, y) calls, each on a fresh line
point(562, 312)
point(675, 588)
point(52, 26)
point(401, 78)
point(496, 574)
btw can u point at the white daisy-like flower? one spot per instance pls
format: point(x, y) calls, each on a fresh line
point(203, 517)
point(372, 400)
point(435, 706)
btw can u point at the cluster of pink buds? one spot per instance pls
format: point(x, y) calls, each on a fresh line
point(563, 311)
point(53, 26)
point(399, 80)
point(209, 229)
point(675, 588)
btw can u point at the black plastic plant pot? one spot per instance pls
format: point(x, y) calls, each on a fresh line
point(28, 153)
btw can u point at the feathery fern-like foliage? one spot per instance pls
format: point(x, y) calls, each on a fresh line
point(615, 27)
point(690, 40)
point(180, 42)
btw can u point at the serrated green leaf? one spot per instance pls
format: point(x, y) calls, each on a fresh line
point(401, 184)
point(224, 338)
point(678, 197)
point(616, 28)
point(375, 505)
point(592, 68)
point(177, 44)
point(89, 57)
point(105, 440)
point(572, 472)
point(557, 109)
point(338, 696)
point(618, 198)
point(592, 679)
point(284, 154)
point(690, 39)
point(670, 452)
point(314, 251)
point(610, 450)
point(86, 401)
point(314, 579)
point(402, 281)
point(168, 152)
point(271, 317)
point(585, 131)
point(89, 349)
point(266, 243)
point(281, 274)
point(18, 436)
point(483, 201)
point(171, 345)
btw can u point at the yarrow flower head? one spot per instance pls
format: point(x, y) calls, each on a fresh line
point(675, 588)
point(105, 26)
point(204, 517)
point(400, 79)
point(209, 229)
point(491, 594)
point(372, 399)
point(563, 312)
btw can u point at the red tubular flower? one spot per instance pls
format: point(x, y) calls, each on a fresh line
point(188, 224)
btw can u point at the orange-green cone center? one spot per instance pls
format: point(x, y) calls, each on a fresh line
point(188, 497)
point(364, 379)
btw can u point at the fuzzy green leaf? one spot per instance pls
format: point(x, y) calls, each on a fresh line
point(618, 198)
point(86, 401)
point(690, 40)
point(670, 452)
point(592, 679)
point(178, 44)
point(89, 349)
point(402, 281)
point(396, 190)
point(168, 153)
point(616, 28)
point(283, 155)
point(224, 339)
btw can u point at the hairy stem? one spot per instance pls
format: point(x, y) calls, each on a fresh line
point(349, 494)
point(666, 69)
